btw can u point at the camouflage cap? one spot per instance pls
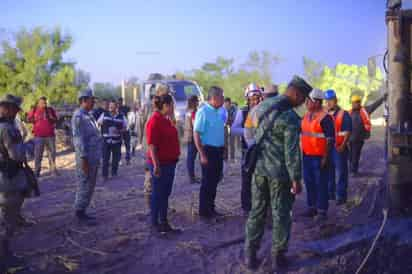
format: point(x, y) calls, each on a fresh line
point(85, 93)
point(301, 85)
point(11, 99)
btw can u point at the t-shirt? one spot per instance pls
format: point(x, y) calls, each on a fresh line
point(161, 133)
point(210, 125)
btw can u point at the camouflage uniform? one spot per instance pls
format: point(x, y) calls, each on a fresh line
point(13, 188)
point(87, 143)
point(278, 164)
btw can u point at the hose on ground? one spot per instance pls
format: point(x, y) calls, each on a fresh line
point(373, 246)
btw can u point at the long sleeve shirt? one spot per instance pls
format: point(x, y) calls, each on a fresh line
point(44, 121)
point(280, 155)
point(237, 128)
point(87, 139)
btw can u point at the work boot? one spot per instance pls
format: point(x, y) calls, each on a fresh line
point(310, 212)
point(9, 259)
point(82, 217)
point(321, 217)
point(279, 261)
point(217, 214)
point(166, 228)
point(194, 180)
point(23, 222)
point(251, 260)
point(340, 202)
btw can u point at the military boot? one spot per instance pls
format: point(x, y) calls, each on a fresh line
point(83, 218)
point(8, 258)
point(278, 262)
point(251, 260)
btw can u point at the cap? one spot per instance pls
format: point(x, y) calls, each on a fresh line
point(356, 98)
point(86, 93)
point(301, 85)
point(316, 94)
point(11, 99)
point(330, 94)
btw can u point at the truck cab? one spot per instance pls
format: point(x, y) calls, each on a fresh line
point(181, 91)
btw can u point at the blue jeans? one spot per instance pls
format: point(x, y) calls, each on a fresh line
point(161, 190)
point(191, 158)
point(211, 175)
point(316, 182)
point(338, 175)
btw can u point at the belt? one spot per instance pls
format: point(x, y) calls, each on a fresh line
point(214, 147)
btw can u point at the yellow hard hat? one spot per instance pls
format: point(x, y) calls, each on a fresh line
point(356, 98)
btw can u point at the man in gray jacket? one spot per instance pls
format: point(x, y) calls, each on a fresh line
point(87, 142)
point(14, 186)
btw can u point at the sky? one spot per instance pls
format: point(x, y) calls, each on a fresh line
point(117, 39)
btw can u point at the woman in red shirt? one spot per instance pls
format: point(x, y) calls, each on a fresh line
point(163, 154)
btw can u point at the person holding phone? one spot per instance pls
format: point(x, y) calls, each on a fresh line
point(44, 120)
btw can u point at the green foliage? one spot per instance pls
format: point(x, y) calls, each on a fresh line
point(345, 79)
point(106, 91)
point(31, 66)
point(233, 79)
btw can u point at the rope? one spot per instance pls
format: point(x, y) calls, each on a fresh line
point(372, 248)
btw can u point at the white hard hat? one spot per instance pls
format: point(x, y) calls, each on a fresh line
point(316, 94)
point(252, 89)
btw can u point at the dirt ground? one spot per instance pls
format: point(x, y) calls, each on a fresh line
point(123, 243)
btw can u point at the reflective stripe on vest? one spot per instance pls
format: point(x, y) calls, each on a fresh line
point(339, 134)
point(313, 138)
point(366, 121)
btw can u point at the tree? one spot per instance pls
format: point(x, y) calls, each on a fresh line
point(106, 91)
point(345, 79)
point(82, 79)
point(233, 79)
point(31, 65)
point(263, 63)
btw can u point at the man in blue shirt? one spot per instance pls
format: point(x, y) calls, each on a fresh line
point(209, 138)
point(339, 163)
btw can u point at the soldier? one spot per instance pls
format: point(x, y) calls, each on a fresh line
point(277, 177)
point(14, 186)
point(88, 148)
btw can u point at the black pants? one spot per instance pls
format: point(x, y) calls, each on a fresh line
point(246, 192)
point(111, 151)
point(211, 175)
point(355, 153)
point(126, 141)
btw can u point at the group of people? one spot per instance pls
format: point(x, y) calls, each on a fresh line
point(321, 148)
point(317, 148)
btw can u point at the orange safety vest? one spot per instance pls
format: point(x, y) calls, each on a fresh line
point(366, 121)
point(313, 138)
point(339, 134)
